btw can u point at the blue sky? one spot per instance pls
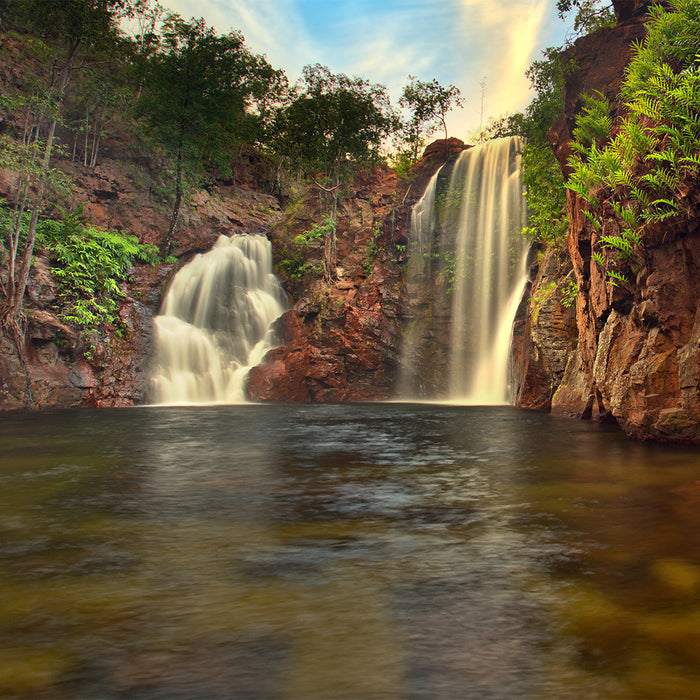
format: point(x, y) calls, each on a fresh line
point(460, 42)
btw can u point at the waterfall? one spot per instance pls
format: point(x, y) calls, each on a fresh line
point(467, 272)
point(215, 323)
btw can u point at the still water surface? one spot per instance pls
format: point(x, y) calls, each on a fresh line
point(360, 552)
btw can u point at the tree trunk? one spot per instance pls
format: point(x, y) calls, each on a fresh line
point(330, 246)
point(87, 134)
point(12, 319)
point(178, 202)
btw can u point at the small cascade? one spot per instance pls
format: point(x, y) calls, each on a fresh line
point(215, 323)
point(467, 273)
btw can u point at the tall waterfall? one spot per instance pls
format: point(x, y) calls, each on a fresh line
point(467, 273)
point(215, 322)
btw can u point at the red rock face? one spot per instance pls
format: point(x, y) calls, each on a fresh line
point(545, 343)
point(637, 360)
point(62, 368)
point(342, 341)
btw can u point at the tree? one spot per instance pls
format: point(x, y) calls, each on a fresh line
point(70, 26)
point(196, 93)
point(590, 14)
point(428, 105)
point(332, 126)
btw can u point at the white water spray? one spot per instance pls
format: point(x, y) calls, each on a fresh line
point(215, 323)
point(468, 272)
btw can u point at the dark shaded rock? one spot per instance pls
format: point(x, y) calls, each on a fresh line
point(549, 336)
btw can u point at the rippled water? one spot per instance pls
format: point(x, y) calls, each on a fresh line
point(362, 551)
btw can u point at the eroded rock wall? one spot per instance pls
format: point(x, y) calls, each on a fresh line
point(342, 340)
point(635, 356)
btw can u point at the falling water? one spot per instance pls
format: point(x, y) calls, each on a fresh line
point(467, 272)
point(215, 323)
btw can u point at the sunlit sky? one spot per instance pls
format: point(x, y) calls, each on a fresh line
point(460, 42)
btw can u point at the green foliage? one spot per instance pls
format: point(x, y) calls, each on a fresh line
point(89, 263)
point(640, 172)
point(196, 87)
point(318, 232)
point(428, 104)
point(448, 199)
point(569, 293)
point(334, 121)
point(594, 123)
point(543, 181)
point(373, 250)
point(70, 22)
point(508, 125)
point(591, 15)
point(545, 194)
point(295, 266)
point(403, 159)
point(540, 297)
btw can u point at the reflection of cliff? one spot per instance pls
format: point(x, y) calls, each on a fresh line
point(635, 356)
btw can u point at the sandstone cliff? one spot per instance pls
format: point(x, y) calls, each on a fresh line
point(635, 355)
point(342, 341)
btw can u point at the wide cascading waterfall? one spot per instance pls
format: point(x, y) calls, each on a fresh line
point(215, 323)
point(467, 273)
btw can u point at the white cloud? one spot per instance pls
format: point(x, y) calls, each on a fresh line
point(270, 27)
point(458, 42)
point(501, 38)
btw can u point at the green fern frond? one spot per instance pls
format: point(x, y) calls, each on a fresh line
point(592, 219)
point(615, 278)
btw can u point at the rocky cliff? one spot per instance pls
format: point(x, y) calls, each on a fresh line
point(629, 354)
point(341, 341)
point(626, 354)
point(64, 367)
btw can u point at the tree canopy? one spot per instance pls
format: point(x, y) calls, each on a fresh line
point(198, 88)
point(428, 104)
point(332, 121)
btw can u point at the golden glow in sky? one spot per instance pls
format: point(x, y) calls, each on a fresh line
point(462, 42)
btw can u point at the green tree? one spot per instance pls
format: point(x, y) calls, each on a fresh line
point(71, 28)
point(428, 105)
point(542, 177)
point(590, 14)
point(332, 126)
point(196, 96)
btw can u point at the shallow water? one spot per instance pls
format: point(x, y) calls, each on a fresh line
point(355, 551)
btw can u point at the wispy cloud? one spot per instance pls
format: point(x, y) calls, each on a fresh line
point(271, 27)
point(458, 42)
point(506, 35)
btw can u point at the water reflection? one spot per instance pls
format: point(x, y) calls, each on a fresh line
point(367, 551)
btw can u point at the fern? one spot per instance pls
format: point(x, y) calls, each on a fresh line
point(88, 263)
point(615, 278)
point(661, 94)
point(592, 219)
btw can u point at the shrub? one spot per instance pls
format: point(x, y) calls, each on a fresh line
point(89, 263)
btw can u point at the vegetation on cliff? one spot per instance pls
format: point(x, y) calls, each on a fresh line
point(173, 90)
point(640, 169)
